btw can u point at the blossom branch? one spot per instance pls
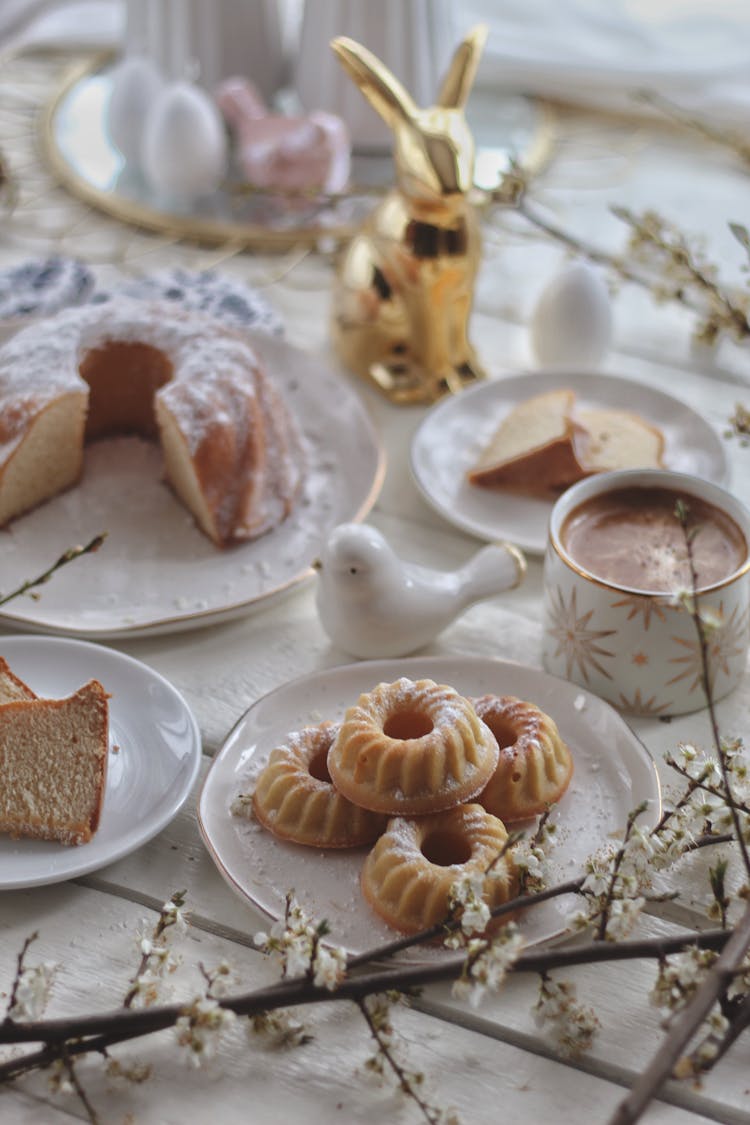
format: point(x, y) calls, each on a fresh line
point(378, 1023)
point(725, 137)
point(683, 1029)
point(720, 974)
point(78, 1087)
point(86, 1034)
point(661, 260)
point(682, 513)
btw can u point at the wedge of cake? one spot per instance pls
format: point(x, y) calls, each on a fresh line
point(533, 449)
point(617, 439)
point(53, 761)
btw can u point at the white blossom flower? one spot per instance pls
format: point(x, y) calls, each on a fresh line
point(175, 915)
point(642, 843)
point(145, 988)
point(487, 964)
point(679, 975)
point(32, 991)
point(598, 878)
point(466, 895)
point(200, 1027)
point(330, 968)
point(623, 915)
point(571, 1025)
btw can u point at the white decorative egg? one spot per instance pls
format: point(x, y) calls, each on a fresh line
point(572, 323)
point(135, 86)
point(185, 151)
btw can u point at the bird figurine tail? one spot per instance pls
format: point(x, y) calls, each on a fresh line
point(497, 567)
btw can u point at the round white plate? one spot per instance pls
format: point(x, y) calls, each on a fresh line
point(154, 755)
point(156, 571)
point(449, 440)
point(613, 773)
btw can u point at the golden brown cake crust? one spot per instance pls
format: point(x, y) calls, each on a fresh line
point(412, 748)
point(408, 875)
point(295, 799)
point(233, 452)
point(535, 765)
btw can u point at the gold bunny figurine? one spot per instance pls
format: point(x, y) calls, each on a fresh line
point(405, 282)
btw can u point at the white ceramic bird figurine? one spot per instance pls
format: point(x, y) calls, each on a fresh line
point(373, 604)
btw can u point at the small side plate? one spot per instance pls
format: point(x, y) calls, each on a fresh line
point(154, 755)
point(453, 433)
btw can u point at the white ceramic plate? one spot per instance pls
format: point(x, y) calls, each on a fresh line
point(156, 572)
point(449, 440)
point(154, 756)
point(613, 773)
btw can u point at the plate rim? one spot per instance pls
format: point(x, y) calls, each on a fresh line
point(170, 810)
point(200, 618)
point(409, 662)
point(448, 404)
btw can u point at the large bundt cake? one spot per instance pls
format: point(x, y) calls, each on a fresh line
point(411, 748)
point(232, 452)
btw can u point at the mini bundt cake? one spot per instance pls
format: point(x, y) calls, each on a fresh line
point(232, 452)
point(535, 765)
point(294, 797)
point(412, 748)
point(408, 875)
point(53, 762)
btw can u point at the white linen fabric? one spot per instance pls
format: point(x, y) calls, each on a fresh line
point(695, 52)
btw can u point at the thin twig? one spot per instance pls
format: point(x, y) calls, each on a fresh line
point(727, 138)
point(65, 558)
point(683, 515)
point(404, 1080)
point(78, 1087)
point(19, 973)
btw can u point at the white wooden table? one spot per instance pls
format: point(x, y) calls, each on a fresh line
point(491, 1064)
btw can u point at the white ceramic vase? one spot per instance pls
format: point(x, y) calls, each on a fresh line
point(208, 40)
point(412, 37)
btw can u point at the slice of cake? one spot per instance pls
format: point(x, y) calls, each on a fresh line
point(533, 449)
point(617, 439)
point(53, 762)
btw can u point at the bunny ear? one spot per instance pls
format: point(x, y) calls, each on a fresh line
point(456, 86)
point(382, 89)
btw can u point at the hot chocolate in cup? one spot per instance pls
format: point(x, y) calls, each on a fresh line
point(618, 583)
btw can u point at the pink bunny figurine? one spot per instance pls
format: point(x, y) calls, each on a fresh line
point(310, 153)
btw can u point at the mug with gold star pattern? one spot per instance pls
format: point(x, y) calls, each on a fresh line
point(647, 590)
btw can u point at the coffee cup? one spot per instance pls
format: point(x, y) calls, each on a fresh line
point(619, 611)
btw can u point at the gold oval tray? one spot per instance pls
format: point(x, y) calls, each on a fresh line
point(76, 146)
